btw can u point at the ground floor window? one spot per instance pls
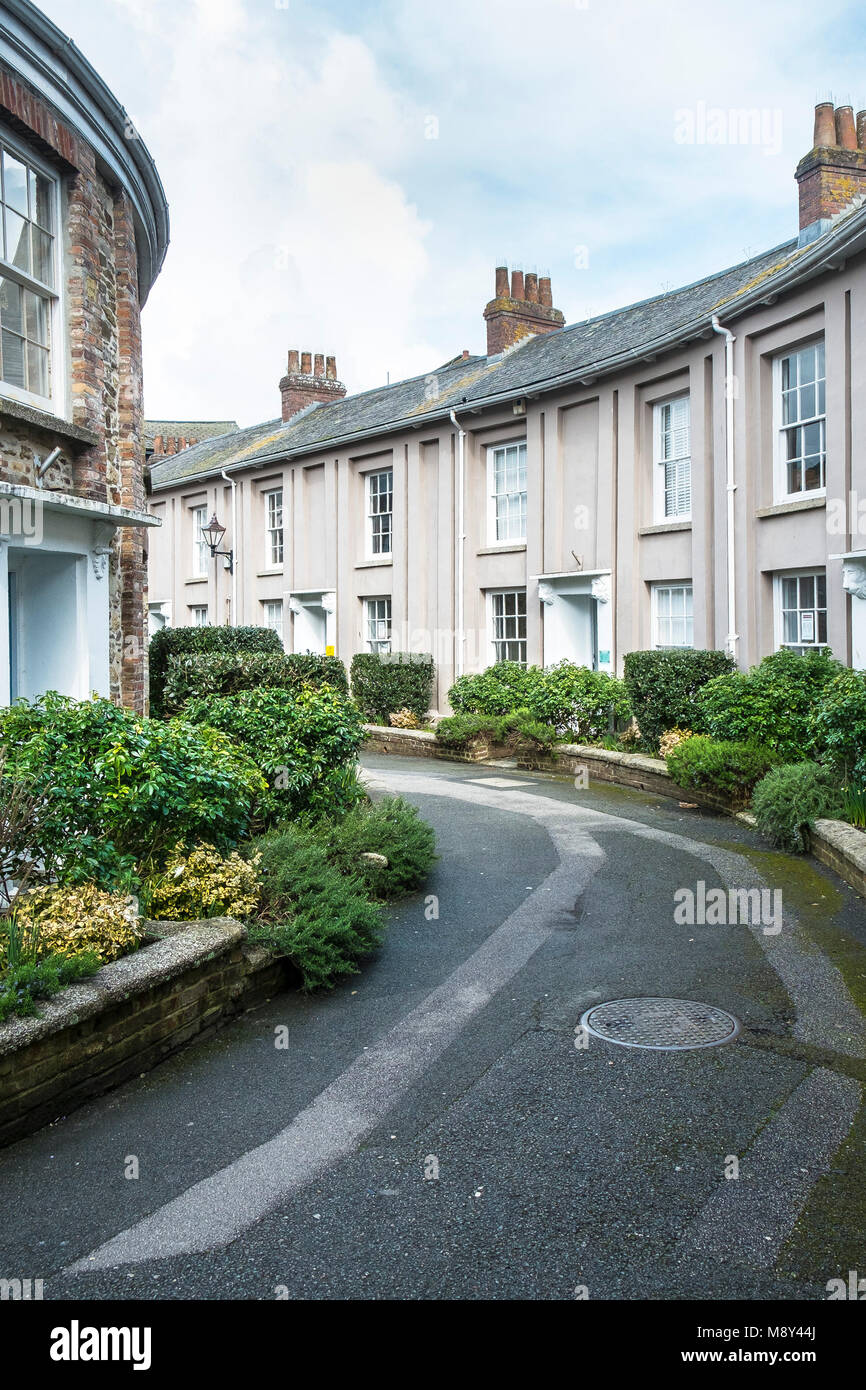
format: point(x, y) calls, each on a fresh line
point(508, 624)
point(672, 615)
point(272, 615)
point(801, 602)
point(198, 614)
point(378, 617)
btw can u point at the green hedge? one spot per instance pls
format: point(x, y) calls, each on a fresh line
point(577, 702)
point(516, 731)
point(177, 641)
point(225, 673)
point(773, 703)
point(837, 726)
point(663, 687)
point(728, 768)
point(384, 682)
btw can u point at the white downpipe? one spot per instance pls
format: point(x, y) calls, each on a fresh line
point(733, 636)
point(460, 538)
point(234, 488)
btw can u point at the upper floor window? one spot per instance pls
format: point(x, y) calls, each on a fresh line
point(272, 613)
point(506, 469)
point(508, 625)
point(800, 407)
point(274, 527)
point(380, 512)
point(801, 605)
point(200, 547)
point(28, 276)
point(672, 615)
point(672, 487)
point(378, 612)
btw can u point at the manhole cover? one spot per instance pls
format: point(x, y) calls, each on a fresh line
point(668, 1025)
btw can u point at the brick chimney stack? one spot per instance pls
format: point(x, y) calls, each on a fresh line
point(833, 173)
point(520, 309)
point(165, 444)
point(309, 380)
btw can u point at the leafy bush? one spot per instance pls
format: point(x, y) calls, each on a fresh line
point(79, 918)
point(177, 641)
point(225, 673)
point(117, 791)
point(311, 912)
point(672, 739)
point(728, 768)
point(383, 682)
point(837, 726)
point(19, 835)
point(854, 806)
point(771, 704)
point(203, 883)
point(663, 687)
point(304, 742)
point(391, 827)
point(514, 731)
point(787, 802)
point(575, 701)
point(24, 985)
point(404, 719)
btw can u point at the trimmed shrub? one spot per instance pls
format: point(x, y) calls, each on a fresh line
point(391, 827)
point(575, 701)
point(383, 682)
point(304, 742)
point(203, 883)
point(663, 688)
point(837, 726)
point(117, 791)
point(225, 673)
point(727, 768)
point(513, 731)
point(788, 801)
point(404, 719)
point(672, 739)
point(318, 917)
point(178, 641)
point(79, 918)
point(771, 704)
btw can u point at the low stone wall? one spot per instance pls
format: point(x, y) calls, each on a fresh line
point(130, 1016)
point(841, 847)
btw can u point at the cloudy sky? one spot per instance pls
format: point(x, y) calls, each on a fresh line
point(344, 177)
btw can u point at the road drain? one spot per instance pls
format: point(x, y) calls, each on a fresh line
point(666, 1025)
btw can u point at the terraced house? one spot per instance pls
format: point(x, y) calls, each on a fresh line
point(83, 232)
point(684, 471)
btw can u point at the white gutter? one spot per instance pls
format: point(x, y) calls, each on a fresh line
point(460, 539)
point(234, 487)
point(733, 637)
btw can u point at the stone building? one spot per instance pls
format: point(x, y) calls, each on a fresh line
point(83, 233)
point(688, 470)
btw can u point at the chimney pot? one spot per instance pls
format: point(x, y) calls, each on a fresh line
point(502, 282)
point(861, 130)
point(465, 353)
point(545, 294)
point(294, 358)
point(306, 364)
point(319, 365)
point(517, 291)
point(532, 287)
point(825, 124)
point(331, 368)
point(526, 311)
point(846, 136)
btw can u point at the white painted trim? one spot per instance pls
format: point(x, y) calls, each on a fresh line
point(490, 453)
point(780, 480)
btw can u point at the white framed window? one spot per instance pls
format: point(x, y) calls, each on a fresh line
point(672, 454)
point(274, 527)
point(672, 615)
point(801, 610)
point(272, 615)
point(508, 625)
point(30, 272)
point(200, 547)
point(801, 426)
point(198, 614)
point(378, 621)
point(379, 488)
point(506, 489)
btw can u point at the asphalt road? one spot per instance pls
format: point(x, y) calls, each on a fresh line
point(435, 1129)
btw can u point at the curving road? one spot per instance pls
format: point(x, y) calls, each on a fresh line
point(437, 1128)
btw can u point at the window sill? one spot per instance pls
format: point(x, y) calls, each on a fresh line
point(269, 574)
point(197, 579)
point(799, 504)
point(374, 564)
point(506, 548)
point(663, 527)
point(50, 424)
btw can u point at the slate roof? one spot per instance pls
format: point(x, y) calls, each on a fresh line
point(580, 350)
